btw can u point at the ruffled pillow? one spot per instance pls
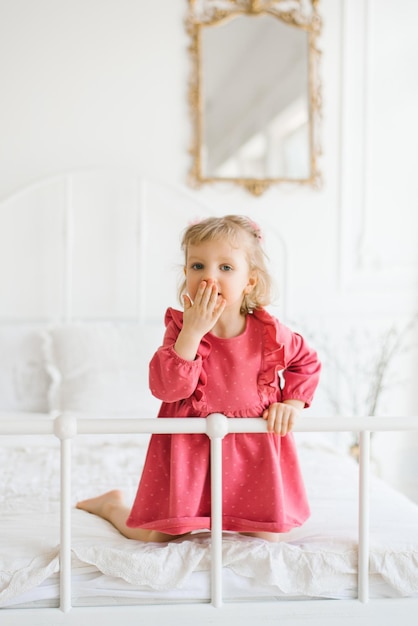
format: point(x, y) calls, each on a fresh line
point(101, 368)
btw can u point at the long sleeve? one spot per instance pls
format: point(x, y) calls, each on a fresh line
point(172, 378)
point(302, 366)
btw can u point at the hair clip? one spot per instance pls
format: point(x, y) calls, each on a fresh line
point(256, 229)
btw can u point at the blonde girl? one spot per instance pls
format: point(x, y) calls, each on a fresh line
point(222, 354)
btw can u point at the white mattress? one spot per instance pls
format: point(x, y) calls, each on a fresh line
point(317, 560)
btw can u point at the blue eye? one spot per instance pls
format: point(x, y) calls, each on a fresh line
point(197, 266)
point(226, 268)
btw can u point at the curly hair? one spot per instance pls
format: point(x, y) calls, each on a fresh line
point(240, 231)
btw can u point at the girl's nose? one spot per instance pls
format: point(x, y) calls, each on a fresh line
point(210, 280)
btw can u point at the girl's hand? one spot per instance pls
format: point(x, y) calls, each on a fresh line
point(200, 316)
point(281, 416)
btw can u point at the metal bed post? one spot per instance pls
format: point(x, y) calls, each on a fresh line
point(65, 428)
point(217, 428)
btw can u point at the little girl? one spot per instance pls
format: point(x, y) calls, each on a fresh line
point(222, 354)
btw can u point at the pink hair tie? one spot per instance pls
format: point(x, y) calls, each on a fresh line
point(256, 229)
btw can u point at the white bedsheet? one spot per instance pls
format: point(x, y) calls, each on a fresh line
point(316, 560)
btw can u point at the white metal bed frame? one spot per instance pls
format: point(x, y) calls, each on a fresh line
point(216, 426)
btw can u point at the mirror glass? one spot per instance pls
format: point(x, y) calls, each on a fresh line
point(255, 99)
point(254, 93)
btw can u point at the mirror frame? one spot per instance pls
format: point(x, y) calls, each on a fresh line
point(207, 13)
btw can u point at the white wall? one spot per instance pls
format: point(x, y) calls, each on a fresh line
point(103, 83)
point(91, 83)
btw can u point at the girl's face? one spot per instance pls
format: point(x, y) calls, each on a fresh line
point(226, 266)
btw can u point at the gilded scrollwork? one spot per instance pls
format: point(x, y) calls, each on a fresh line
point(300, 15)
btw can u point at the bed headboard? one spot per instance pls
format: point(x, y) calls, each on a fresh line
point(83, 246)
point(100, 244)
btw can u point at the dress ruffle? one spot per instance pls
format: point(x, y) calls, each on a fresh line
point(274, 359)
point(268, 377)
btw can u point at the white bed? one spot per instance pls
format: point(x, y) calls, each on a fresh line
point(67, 350)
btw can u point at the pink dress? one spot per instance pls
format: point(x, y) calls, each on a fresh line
point(262, 483)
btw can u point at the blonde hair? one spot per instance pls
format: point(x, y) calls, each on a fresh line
point(238, 230)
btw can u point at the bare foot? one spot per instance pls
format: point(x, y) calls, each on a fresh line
point(111, 507)
point(101, 505)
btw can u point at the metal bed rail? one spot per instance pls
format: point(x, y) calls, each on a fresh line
point(66, 426)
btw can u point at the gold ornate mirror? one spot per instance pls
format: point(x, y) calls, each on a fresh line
point(255, 93)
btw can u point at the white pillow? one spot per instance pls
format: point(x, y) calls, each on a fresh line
point(102, 368)
point(24, 382)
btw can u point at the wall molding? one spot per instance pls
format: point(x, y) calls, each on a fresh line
point(366, 261)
